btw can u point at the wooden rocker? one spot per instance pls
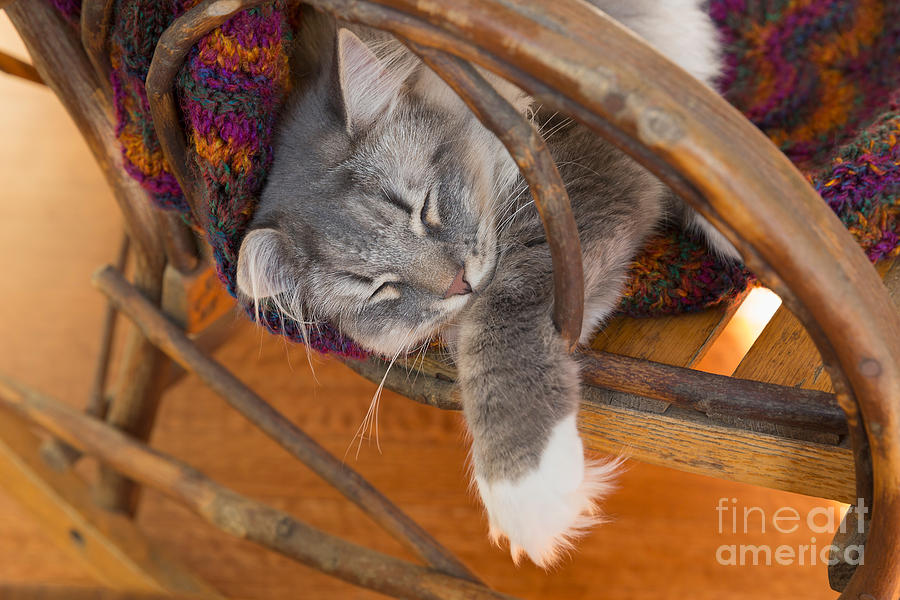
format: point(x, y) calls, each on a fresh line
point(816, 413)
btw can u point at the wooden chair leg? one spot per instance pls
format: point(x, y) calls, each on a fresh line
point(60, 59)
point(134, 406)
point(98, 403)
point(109, 546)
point(60, 455)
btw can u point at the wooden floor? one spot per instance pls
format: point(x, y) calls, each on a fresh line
point(59, 223)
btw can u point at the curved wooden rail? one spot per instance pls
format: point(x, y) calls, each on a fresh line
point(173, 47)
point(685, 134)
point(95, 16)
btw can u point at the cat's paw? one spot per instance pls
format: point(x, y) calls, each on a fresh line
point(544, 511)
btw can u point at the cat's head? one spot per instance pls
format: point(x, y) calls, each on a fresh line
point(377, 214)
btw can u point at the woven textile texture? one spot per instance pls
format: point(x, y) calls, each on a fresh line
point(820, 77)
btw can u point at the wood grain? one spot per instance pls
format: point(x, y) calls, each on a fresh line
point(53, 592)
point(785, 354)
point(698, 445)
point(679, 340)
point(108, 545)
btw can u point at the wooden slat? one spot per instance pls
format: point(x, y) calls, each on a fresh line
point(108, 545)
point(679, 340)
point(688, 442)
point(785, 354)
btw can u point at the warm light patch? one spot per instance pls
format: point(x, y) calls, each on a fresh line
point(748, 322)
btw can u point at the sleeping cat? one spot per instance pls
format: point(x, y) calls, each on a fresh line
point(391, 213)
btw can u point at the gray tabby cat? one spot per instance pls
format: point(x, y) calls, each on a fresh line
point(391, 213)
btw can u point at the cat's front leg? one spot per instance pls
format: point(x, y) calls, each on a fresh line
point(520, 391)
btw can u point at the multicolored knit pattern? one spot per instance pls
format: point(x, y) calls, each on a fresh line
point(810, 73)
point(134, 32)
point(820, 77)
point(862, 184)
point(230, 90)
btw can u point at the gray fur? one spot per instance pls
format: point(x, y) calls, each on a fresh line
point(509, 349)
point(344, 203)
point(333, 228)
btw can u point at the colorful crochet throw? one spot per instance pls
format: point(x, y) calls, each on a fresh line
point(820, 77)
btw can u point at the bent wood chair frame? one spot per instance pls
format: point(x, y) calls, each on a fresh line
point(671, 124)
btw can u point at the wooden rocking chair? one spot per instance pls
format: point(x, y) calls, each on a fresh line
point(813, 408)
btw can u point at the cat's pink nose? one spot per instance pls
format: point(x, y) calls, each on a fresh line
point(460, 286)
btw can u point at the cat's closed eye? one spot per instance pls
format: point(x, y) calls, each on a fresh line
point(428, 217)
point(429, 214)
point(395, 200)
point(384, 290)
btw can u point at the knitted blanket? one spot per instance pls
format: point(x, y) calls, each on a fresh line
point(820, 77)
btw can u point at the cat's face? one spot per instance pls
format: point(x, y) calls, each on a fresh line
point(377, 213)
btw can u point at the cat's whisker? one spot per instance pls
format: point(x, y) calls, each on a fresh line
point(557, 128)
point(510, 205)
point(370, 420)
point(287, 353)
point(514, 196)
point(423, 349)
point(293, 310)
point(509, 221)
point(578, 164)
point(541, 126)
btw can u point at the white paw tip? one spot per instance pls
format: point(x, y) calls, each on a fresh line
point(495, 535)
point(544, 512)
point(516, 552)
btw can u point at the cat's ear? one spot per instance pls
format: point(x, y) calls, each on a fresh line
point(263, 268)
point(368, 87)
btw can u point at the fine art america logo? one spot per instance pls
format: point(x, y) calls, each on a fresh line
point(753, 520)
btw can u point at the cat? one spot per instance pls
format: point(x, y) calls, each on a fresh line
point(391, 213)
